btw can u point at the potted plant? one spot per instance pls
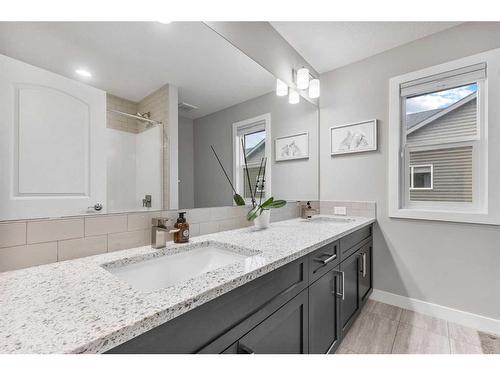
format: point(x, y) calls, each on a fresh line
point(260, 213)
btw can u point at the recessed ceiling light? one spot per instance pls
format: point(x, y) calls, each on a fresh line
point(83, 73)
point(165, 22)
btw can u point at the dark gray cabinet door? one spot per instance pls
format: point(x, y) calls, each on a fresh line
point(349, 306)
point(365, 271)
point(324, 310)
point(284, 332)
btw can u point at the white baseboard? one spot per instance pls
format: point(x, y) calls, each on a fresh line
point(479, 322)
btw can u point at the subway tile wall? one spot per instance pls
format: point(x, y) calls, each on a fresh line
point(35, 242)
point(117, 121)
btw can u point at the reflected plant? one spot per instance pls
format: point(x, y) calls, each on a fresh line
point(238, 199)
point(257, 208)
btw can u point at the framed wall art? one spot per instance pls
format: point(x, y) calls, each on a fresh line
point(355, 137)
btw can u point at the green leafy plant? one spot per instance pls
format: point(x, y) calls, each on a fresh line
point(258, 209)
point(267, 205)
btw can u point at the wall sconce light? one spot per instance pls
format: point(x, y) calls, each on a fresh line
point(314, 88)
point(302, 78)
point(293, 97)
point(281, 88)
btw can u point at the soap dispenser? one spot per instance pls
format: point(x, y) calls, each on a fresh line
point(183, 234)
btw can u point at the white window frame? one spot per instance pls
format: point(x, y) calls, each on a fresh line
point(412, 168)
point(486, 199)
point(238, 178)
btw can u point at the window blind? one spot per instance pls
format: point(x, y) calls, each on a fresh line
point(445, 80)
point(251, 128)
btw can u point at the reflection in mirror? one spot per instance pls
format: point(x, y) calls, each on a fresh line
point(119, 117)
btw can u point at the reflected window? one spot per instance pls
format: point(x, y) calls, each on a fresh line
point(250, 137)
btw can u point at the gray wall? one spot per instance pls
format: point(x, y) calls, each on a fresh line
point(261, 42)
point(186, 170)
point(451, 264)
point(291, 180)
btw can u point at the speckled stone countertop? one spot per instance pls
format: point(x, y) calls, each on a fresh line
point(78, 306)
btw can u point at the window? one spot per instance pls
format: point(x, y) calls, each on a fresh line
point(438, 153)
point(254, 134)
point(421, 177)
point(440, 130)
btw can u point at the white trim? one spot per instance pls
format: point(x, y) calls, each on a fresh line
point(290, 136)
point(478, 212)
point(479, 322)
point(412, 167)
point(374, 128)
point(173, 148)
point(266, 117)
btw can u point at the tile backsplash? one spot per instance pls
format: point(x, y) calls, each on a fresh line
point(353, 208)
point(40, 241)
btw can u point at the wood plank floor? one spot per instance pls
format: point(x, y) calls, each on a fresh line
point(387, 329)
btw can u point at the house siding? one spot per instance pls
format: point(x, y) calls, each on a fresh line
point(452, 178)
point(462, 122)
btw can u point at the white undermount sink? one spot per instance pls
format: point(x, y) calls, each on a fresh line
point(166, 270)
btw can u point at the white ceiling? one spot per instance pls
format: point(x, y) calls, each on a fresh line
point(330, 45)
point(132, 59)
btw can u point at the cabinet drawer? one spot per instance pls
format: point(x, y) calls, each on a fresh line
point(348, 242)
point(323, 260)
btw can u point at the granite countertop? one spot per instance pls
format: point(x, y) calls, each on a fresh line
point(78, 306)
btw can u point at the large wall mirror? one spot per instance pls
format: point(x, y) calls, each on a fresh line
point(118, 117)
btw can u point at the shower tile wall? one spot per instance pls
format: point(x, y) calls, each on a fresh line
point(119, 122)
point(157, 104)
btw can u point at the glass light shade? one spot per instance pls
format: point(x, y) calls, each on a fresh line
point(293, 97)
point(314, 88)
point(302, 78)
point(281, 88)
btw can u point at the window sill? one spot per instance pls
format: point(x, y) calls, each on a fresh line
point(477, 217)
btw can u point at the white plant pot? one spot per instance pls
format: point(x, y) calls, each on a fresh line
point(262, 221)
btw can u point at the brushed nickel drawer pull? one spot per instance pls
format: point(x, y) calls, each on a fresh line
point(364, 264)
point(343, 287)
point(327, 260)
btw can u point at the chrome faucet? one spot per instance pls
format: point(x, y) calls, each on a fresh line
point(308, 211)
point(146, 201)
point(159, 232)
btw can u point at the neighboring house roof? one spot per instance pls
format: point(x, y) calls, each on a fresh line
point(255, 148)
point(417, 120)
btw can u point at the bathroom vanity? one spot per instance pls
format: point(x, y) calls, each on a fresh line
point(305, 306)
point(296, 287)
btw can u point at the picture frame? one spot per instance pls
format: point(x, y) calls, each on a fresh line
point(353, 138)
point(292, 147)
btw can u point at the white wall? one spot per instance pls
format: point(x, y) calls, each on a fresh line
point(451, 264)
point(120, 169)
point(133, 169)
point(148, 147)
point(186, 163)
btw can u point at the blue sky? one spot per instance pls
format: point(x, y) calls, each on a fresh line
point(441, 99)
point(252, 139)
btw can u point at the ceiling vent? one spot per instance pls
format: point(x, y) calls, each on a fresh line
point(186, 107)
